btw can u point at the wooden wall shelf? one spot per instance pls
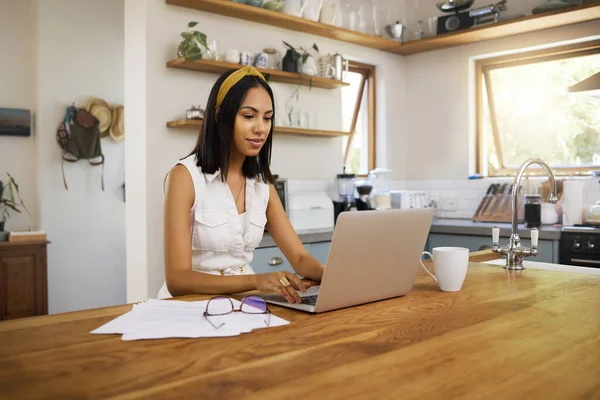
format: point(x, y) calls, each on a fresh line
point(256, 14)
point(532, 23)
point(279, 130)
point(537, 22)
point(218, 67)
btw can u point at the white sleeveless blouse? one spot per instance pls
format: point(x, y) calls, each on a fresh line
point(223, 241)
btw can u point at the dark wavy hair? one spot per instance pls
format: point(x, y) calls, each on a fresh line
point(213, 147)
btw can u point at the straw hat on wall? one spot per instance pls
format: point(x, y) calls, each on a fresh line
point(117, 128)
point(101, 111)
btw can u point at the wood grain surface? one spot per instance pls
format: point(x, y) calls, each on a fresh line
point(507, 334)
point(275, 75)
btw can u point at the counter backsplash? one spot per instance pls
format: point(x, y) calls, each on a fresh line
point(453, 198)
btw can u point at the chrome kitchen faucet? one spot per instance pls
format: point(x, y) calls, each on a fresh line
point(514, 252)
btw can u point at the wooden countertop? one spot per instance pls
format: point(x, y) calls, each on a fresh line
point(529, 334)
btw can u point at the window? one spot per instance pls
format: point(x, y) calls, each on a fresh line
point(358, 108)
point(524, 110)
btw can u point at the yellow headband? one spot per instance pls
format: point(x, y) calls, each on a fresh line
point(235, 78)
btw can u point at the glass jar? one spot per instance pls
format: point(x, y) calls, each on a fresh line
point(533, 210)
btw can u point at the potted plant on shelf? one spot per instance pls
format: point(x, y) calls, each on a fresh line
point(293, 57)
point(192, 43)
point(10, 200)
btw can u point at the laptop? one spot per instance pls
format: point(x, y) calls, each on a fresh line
point(374, 255)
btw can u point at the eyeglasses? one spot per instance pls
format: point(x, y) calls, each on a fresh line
point(222, 305)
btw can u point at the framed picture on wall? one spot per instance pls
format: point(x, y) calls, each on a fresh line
point(15, 122)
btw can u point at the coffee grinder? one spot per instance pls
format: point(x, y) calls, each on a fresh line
point(363, 201)
point(344, 184)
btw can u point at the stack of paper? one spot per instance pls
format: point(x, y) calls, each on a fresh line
point(159, 319)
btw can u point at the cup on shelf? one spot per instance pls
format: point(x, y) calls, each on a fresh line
point(213, 50)
point(432, 26)
point(312, 120)
point(247, 58)
point(261, 60)
point(326, 68)
point(303, 119)
point(232, 56)
point(273, 57)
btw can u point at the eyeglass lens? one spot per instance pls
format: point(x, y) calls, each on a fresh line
point(254, 305)
point(219, 306)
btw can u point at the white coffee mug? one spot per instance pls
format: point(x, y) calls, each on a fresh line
point(261, 60)
point(450, 265)
point(232, 56)
point(247, 58)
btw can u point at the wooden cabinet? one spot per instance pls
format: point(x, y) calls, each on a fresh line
point(23, 280)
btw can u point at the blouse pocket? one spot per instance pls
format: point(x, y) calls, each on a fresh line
point(256, 229)
point(211, 231)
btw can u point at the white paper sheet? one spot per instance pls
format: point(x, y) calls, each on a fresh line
point(161, 319)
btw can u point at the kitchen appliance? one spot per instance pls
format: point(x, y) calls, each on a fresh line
point(458, 19)
point(310, 211)
point(580, 245)
point(407, 199)
point(572, 202)
point(382, 182)
point(593, 212)
point(281, 186)
point(488, 14)
point(344, 184)
point(363, 201)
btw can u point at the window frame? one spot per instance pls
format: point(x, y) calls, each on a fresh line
point(368, 73)
point(483, 68)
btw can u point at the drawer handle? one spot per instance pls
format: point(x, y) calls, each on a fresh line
point(275, 261)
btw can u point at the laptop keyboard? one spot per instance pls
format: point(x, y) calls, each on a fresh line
point(310, 300)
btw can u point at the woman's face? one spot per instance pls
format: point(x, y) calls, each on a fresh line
point(253, 122)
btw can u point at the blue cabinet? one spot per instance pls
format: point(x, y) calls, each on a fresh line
point(271, 259)
point(320, 251)
point(548, 248)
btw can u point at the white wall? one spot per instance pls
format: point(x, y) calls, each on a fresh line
point(17, 90)
point(80, 54)
point(439, 122)
point(170, 92)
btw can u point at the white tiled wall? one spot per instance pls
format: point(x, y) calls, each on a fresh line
point(452, 198)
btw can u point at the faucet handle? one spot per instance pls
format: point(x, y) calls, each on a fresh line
point(495, 236)
point(535, 234)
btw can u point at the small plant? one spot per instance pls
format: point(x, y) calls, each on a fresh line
point(193, 40)
point(303, 53)
point(9, 202)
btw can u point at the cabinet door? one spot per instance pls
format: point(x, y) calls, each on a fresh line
point(19, 292)
point(476, 243)
point(269, 259)
point(320, 251)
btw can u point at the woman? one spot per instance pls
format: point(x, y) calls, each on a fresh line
point(219, 199)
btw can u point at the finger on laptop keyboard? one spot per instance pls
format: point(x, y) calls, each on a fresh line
point(296, 282)
point(292, 292)
point(286, 276)
point(282, 292)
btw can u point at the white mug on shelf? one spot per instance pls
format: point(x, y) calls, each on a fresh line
point(232, 56)
point(450, 264)
point(261, 60)
point(247, 58)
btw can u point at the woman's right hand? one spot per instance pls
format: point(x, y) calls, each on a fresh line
point(271, 283)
